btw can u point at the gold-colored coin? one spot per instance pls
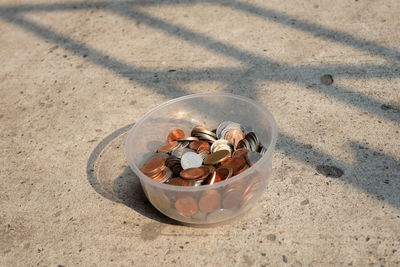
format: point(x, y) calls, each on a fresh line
point(216, 157)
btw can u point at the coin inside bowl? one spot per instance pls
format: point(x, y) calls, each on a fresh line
point(191, 201)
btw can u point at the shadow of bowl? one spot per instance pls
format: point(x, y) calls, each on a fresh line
point(110, 176)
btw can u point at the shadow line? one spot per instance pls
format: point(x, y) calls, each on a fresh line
point(125, 188)
point(290, 74)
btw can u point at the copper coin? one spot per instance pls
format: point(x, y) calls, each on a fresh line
point(194, 145)
point(168, 147)
point(186, 206)
point(163, 176)
point(239, 184)
point(216, 157)
point(236, 164)
point(199, 127)
point(232, 198)
point(195, 173)
point(175, 134)
point(241, 152)
point(153, 165)
point(234, 136)
point(204, 147)
point(210, 201)
point(245, 167)
point(251, 190)
point(223, 173)
point(178, 182)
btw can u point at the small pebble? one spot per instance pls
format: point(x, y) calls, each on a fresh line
point(327, 79)
point(329, 171)
point(271, 237)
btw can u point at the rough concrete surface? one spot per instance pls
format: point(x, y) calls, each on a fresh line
point(74, 73)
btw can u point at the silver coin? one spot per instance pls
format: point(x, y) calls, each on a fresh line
point(212, 179)
point(263, 150)
point(196, 183)
point(221, 127)
point(218, 143)
point(226, 126)
point(231, 126)
point(188, 138)
point(246, 129)
point(168, 176)
point(184, 144)
point(171, 161)
point(252, 157)
point(224, 147)
point(253, 146)
point(207, 132)
point(205, 137)
point(243, 144)
point(252, 137)
point(191, 160)
point(180, 151)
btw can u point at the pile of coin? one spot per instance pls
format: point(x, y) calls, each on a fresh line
point(205, 157)
point(210, 205)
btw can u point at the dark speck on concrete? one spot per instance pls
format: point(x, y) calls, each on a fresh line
point(367, 239)
point(172, 70)
point(271, 237)
point(263, 254)
point(8, 251)
point(326, 79)
point(284, 258)
point(329, 171)
point(388, 107)
point(305, 202)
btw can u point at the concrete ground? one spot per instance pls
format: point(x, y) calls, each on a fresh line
point(74, 73)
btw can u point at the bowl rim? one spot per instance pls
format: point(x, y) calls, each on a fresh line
point(164, 186)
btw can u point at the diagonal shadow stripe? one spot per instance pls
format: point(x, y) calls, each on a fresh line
point(316, 30)
point(92, 55)
point(286, 72)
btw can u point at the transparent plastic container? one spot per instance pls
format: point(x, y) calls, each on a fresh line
point(237, 194)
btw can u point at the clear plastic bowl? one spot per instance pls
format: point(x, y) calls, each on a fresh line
point(237, 194)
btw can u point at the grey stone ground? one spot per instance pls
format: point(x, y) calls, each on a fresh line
point(75, 72)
